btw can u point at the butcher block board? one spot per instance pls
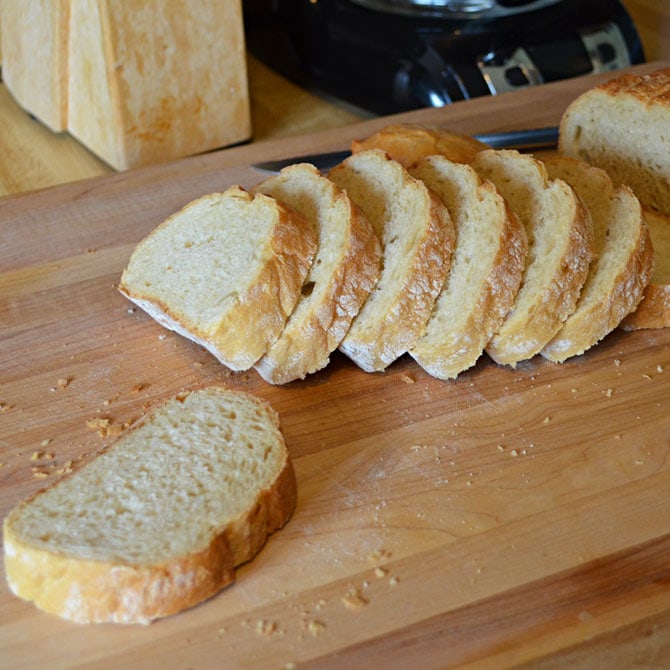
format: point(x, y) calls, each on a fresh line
point(509, 517)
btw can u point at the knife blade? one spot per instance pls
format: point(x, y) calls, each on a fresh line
point(534, 138)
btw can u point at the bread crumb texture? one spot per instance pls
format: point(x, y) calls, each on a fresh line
point(160, 519)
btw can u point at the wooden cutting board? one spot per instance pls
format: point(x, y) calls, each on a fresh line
point(509, 517)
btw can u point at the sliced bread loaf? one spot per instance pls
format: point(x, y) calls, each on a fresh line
point(345, 270)
point(409, 142)
point(621, 126)
point(623, 259)
point(486, 269)
point(157, 522)
point(225, 271)
point(560, 235)
point(654, 309)
point(417, 237)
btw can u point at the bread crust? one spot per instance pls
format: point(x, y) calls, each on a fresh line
point(99, 591)
point(310, 336)
point(259, 312)
point(654, 308)
point(410, 142)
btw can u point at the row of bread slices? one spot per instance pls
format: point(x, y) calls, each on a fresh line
point(439, 259)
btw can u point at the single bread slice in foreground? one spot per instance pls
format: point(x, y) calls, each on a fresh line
point(623, 263)
point(160, 520)
point(410, 142)
point(417, 237)
point(560, 238)
point(486, 268)
point(621, 126)
point(225, 271)
point(654, 309)
point(345, 270)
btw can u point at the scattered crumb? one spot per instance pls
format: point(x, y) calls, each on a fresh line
point(500, 447)
point(546, 420)
point(646, 376)
point(40, 474)
point(162, 337)
point(139, 387)
point(104, 427)
point(63, 382)
point(66, 467)
point(265, 628)
point(393, 581)
point(617, 362)
point(36, 455)
point(44, 443)
point(380, 572)
point(407, 379)
point(659, 368)
point(353, 600)
point(5, 406)
point(514, 453)
point(290, 666)
point(378, 554)
point(608, 393)
point(314, 627)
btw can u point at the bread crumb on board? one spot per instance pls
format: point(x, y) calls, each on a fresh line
point(353, 600)
point(314, 627)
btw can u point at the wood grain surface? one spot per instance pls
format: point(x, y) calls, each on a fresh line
point(512, 517)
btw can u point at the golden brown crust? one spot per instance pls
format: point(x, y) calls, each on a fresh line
point(408, 143)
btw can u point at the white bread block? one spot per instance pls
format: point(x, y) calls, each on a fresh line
point(159, 521)
point(34, 36)
point(417, 237)
point(225, 271)
point(345, 269)
point(486, 269)
point(623, 262)
point(560, 236)
point(654, 309)
point(154, 81)
point(622, 126)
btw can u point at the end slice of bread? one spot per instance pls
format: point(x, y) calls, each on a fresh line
point(345, 270)
point(654, 309)
point(225, 271)
point(486, 269)
point(560, 240)
point(621, 127)
point(410, 142)
point(159, 521)
point(417, 237)
point(623, 262)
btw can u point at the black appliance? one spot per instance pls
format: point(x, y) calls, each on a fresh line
point(388, 56)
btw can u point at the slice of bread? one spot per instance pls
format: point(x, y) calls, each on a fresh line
point(345, 270)
point(560, 241)
point(486, 269)
point(623, 262)
point(621, 127)
point(225, 271)
point(409, 142)
point(159, 521)
point(654, 309)
point(417, 237)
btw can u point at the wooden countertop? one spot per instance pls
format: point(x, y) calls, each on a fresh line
point(512, 518)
